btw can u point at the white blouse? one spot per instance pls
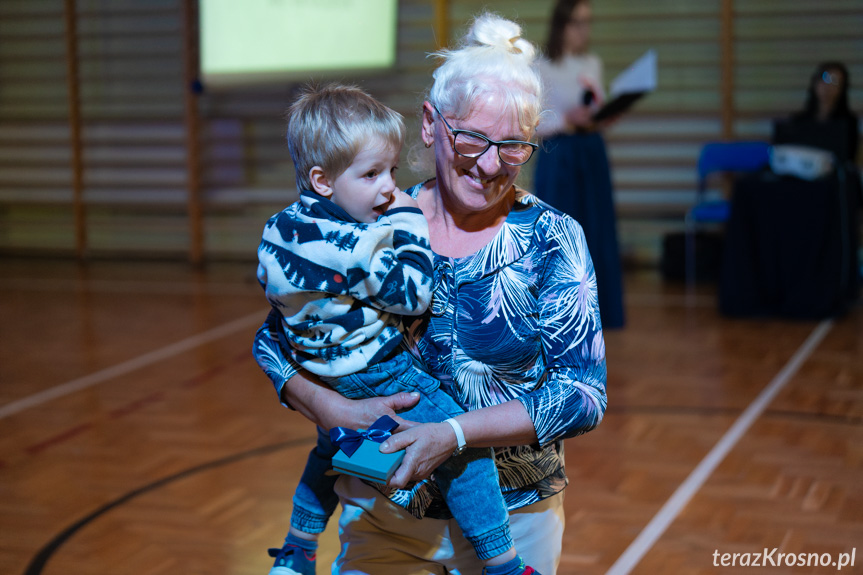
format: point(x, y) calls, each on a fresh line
point(564, 89)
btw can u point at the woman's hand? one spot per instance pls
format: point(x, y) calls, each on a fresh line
point(427, 446)
point(581, 117)
point(328, 409)
point(364, 412)
point(591, 86)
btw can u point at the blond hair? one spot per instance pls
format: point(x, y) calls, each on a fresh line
point(329, 125)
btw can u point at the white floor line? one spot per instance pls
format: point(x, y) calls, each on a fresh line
point(133, 364)
point(672, 508)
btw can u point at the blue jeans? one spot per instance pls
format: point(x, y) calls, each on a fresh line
point(468, 482)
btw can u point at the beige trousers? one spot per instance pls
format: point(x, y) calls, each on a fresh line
point(380, 538)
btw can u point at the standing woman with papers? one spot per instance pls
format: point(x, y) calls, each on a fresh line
point(572, 172)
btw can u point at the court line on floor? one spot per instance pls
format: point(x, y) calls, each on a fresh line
point(675, 504)
point(136, 363)
point(38, 562)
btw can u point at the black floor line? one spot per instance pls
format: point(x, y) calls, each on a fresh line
point(37, 564)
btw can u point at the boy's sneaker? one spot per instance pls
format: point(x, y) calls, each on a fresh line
point(291, 560)
point(527, 571)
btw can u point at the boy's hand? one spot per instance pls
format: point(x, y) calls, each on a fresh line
point(402, 200)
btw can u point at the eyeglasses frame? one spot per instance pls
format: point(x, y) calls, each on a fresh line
point(830, 78)
point(489, 141)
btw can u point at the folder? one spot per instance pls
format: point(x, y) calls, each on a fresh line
point(629, 87)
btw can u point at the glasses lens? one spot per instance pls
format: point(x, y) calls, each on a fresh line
point(470, 145)
point(473, 145)
point(515, 154)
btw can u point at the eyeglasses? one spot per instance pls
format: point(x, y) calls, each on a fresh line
point(473, 145)
point(833, 79)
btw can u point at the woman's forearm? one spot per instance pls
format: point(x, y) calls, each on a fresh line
point(502, 425)
point(326, 408)
point(314, 399)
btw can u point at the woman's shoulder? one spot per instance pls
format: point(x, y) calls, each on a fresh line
point(543, 215)
point(414, 190)
point(527, 201)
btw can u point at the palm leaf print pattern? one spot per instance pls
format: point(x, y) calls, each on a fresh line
point(520, 320)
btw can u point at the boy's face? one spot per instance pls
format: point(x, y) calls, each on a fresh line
point(365, 189)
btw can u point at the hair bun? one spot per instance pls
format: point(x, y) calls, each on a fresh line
point(497, 32)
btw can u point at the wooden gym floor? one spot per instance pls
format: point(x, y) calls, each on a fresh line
point(137, 434)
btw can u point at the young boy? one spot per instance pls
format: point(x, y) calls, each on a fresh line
point(342, 265)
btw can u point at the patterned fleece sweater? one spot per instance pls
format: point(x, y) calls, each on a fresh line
point(342, 286)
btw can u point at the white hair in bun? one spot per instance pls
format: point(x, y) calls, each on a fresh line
point(492, 57)
point(496, 32)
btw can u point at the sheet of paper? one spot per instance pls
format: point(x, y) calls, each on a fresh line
point(640, 76)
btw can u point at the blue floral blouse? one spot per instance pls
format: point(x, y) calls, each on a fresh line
point(517, 320)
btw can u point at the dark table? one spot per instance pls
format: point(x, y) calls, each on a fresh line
point(791, 247)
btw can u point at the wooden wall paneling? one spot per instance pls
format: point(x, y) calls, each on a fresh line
point(191, 89)
point(133, 94)
point(441, 23)
point(653, 149)
point(133, 98)
point(246, 170)
point(777, 48)
point(72, 86)
point(726, 39)
point(35, 163)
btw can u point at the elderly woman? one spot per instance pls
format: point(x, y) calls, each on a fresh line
point(513, 333)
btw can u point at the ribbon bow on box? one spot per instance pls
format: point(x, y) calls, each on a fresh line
point(349, 440)
point(359, 451)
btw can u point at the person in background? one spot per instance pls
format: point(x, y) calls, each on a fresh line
point(572, 172)
point(827, 101)
point(513, 332)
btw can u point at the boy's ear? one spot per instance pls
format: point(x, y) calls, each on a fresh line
point(319, 181)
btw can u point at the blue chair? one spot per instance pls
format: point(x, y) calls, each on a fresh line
point(716, 157)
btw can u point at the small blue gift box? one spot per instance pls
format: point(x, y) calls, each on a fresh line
point(359, 453)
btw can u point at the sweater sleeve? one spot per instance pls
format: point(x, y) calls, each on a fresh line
point(271, 358)
point(399, 266)
point(573, 399)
